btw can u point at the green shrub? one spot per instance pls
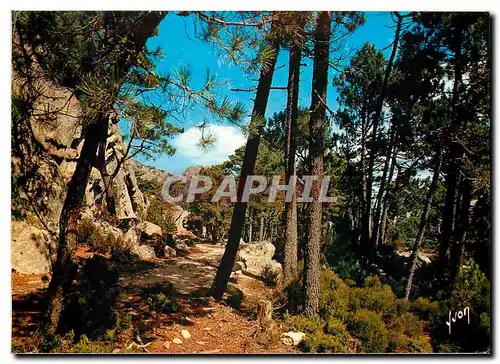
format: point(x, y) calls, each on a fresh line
point(159, 213)
point(376, 320)
point(235, 296)
point(334, 297)
point(294, 293)
point(161, 298)
point(86, 346)
point(419, 344)
point(100, 240)
point(369, 327)
point(320, 342)
point(402, 306)
point(270, 276)
point(303, 323)
point(374, 297)
point(405, 332)
point(331, 337)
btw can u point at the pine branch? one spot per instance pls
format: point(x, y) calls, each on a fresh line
point(252, 89)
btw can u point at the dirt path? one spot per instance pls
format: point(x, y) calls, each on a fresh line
point(213, 327)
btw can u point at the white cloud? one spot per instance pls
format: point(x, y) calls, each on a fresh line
point(228, 139)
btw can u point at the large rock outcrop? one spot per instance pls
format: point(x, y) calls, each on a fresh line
point(257, 257)
point(44, 157)
point(32, 249)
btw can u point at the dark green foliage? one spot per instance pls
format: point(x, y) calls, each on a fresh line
point(99, 239)
point(366, 319)
point(373, 296)
point(472, 289)
point(270, 276)
point(405, 334)
point(370, 329)
point(234, 296)
point(92, 309)
point(159, 213)
point(161, 298)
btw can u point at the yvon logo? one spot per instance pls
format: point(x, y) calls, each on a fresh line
point(458, 316)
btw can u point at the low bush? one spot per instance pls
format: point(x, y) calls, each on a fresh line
point(368, 319)
point(321, 337)
point(159, 213)
point(303, 323)
point(99, 239)
point(270, 276)
point(234, 296)
point(369, 327)
point(161, 298)
point(373, 296)
point(320, 342)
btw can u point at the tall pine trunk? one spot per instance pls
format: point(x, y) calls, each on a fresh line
point(250, 227)
point(386, 202)
point(423, 219)
point(365, 231)
point(317, 121)
point(261, 228)
point(238, 219)
point(453, 166)
point(291, 239)
point(381, 190)
point(462, 225)
point(95, 133)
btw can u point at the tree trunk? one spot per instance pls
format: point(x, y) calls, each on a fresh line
point(250, 228)
point(386, 202)
point(365, 232)
point(362, 167)
point(458, 246)
point(381, 190)
point(312, 262)
point(95, 132)
point(238, 219)
point(261, 228)
point(291, 239)
point(423, 219)
point(453, 166)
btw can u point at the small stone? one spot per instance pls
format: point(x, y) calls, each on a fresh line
point(201, 342)
point(116, 350)
point(185, 334)
point(169, 252)
point(177, 341)
point(293, 338)
point(207, 328)
point(166, 345)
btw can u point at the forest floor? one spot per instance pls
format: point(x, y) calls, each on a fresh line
point(213, 327)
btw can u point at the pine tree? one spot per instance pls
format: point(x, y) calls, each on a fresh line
point(312, 262)
point(256, 124)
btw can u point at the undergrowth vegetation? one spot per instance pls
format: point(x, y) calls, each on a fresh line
point(367, 319)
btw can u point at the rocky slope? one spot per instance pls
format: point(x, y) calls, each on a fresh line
point(43, 161)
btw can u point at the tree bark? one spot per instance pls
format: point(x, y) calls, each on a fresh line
point(458, 246)
point(250, 228)
point(365, 232)
point(238, 218)
point(312, 262)
point(63, 270)
point(291, 239)
point(381, 190)
point(261, 228)
point(423, 219)
point(386, 202)
point(453, 167)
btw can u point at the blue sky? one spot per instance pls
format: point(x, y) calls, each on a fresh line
point(176, 38)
